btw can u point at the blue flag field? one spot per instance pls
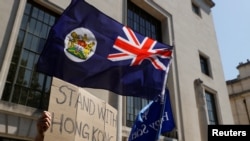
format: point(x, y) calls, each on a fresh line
point(89, 49)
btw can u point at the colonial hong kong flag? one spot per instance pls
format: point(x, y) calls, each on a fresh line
point(89, 49)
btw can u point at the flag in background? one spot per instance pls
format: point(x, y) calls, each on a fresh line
point(154, 119)
point(89, 49)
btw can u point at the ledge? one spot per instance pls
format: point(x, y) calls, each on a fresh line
point(210, 3)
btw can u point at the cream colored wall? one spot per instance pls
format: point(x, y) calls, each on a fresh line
point(240, 109)
point(11, 15)
point(192, 34)
point(6, 8)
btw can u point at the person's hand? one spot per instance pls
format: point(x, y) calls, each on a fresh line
point(43, 124)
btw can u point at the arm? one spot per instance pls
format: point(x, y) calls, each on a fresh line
point(43, 124)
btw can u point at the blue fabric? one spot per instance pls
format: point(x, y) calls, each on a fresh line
point(131, 75)
point(154, 119)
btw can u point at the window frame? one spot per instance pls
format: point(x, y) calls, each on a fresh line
point(22, 87)
point(211, 108)
point(205, 65)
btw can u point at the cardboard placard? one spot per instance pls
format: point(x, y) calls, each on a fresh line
point(78, 115)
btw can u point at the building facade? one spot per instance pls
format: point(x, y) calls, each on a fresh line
point(239, 94)
point(197, 87)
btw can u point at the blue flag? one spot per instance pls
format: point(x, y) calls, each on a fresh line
point(89, 49)
point(154, 119)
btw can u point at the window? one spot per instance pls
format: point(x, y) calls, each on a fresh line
point(24, 85)
point(211, 108)
point(134, 105)
point(196, 9)
point(145, 24)
point(204, 65)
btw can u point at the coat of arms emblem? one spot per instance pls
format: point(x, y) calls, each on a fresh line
point(80, 44)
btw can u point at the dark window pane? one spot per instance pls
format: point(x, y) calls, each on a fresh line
point(12, 73)
point(40, 15)
point(46, 18)
point(48, 84)
point(18, 47)
point(34, 12)
point(130, 13)
point(31, 60)
point(32, 24)
point(27, 41)
point(24, 58)
point(23, 96)
point(196, 9)
point(34, 99)
point(17, 93)
point(204, 65)
point(23, 77)
point(7, 92)
point(24, 22)
point(44, 31)
point(41, 45)
point(35, 61)
point(52, 20)
point(38, 28)
point(153, 27)
point(34, 44)
point(16, 55)
point(27, 8)
point(211, 108)
point(40, 80)
point(35, 83)
point(27, 77)
point(48, 31)
point(20, 38)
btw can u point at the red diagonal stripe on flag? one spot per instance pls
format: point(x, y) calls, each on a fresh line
point(132, 49)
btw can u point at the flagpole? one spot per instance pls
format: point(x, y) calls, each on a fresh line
point(163, 99)
point(166, 77)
